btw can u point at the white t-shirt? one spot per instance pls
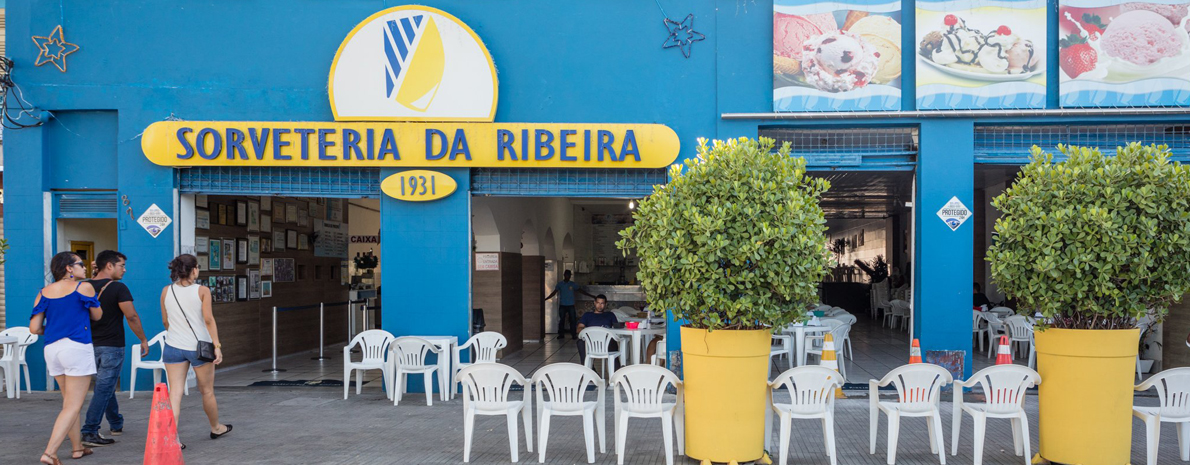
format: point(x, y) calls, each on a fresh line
point(179, 335)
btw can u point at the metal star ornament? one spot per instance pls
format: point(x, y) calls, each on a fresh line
point(682, 35)
point(53, 49)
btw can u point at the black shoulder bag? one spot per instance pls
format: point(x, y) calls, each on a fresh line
point(206, 350)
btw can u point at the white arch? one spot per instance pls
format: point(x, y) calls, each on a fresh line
point(567, 249)
point(548, 249)
point(483, 227)
point(530, 245)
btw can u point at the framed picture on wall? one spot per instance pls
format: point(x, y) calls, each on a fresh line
point(283, 270)
point(201, 245)
point(291, 239)
point(202, 219)
point(210, 282)
point(242, 250)
point(253, 284)
point(303, 242)
point(266, 289)
point(266, 223)
point(278, 240)
point(241, 288)
point(291, 213)
point(202, 263)
point(216, 257)
point(229, 254)
point(241, 213)
point(200, 201)
point(266, 204)
point(266, 267)
point(222, 214)
point(303, 218)
point(266, 245)
point(253, 250)
point(253, 217)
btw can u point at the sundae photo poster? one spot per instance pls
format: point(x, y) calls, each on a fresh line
point(836, 56)
point(980, 54)
point(1123, 54)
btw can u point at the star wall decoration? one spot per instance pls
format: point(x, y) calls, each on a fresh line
point(682, 35)
point(53, 49)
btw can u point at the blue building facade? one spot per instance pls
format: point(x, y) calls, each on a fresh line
point(141, 62)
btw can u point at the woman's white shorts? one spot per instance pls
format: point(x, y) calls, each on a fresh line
point(70, 358)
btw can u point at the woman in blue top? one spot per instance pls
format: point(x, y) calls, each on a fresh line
point(63, 312)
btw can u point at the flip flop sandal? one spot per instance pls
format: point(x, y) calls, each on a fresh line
point(85, 451)
point(217, 436)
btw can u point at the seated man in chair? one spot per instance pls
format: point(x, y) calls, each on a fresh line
point(599, 317)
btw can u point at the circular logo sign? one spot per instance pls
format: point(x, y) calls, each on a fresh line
point(413, 63)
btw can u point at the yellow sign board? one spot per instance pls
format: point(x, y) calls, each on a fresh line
point(410, 145)
point(418, 185)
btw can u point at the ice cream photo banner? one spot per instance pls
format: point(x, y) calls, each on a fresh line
point(980, 54)
point(1123, 54)
point(836, 56)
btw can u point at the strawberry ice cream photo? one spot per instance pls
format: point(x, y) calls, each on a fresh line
point(1142, 37)
point(790, 33)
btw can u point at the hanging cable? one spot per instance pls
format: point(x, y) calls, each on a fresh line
point(11, 94)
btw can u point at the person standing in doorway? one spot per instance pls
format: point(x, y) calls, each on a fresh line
point(186, 311)
point(63, 313)
point(565, 291)
point(107, 335)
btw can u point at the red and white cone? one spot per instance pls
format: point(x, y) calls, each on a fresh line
point(915, 352)
point(1004, 352)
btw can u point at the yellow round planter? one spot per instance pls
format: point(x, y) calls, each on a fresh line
point(726, 375)
point(1085, 396)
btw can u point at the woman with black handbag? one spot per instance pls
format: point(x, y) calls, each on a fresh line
point(191, 340)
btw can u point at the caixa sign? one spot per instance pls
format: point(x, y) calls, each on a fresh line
point(365, 239)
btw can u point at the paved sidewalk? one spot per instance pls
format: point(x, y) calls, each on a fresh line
point(315, 425)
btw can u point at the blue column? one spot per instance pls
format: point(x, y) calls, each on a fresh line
point(24, 213)
point(943, 264)
point(426, 248)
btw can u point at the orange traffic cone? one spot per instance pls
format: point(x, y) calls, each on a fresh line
point(1004, 352)
point(915, 352)
point(830, 360)
point(161, 446)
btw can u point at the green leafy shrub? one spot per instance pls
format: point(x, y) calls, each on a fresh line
point(735, 241)
point(1095, 241)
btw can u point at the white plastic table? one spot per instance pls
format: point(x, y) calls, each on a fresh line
point(445, 376)
point(799, 338)
point(637, 337)
point(12, 376)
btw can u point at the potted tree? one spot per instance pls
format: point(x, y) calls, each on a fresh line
point(1091, 243)
point(733, 246)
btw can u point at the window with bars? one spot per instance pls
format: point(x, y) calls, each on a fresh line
point(566, 182)
point(875, 148)
point(297, 182)
point(1010, 144)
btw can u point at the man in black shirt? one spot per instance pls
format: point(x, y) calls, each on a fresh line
point(979, 297)
point(107, 336)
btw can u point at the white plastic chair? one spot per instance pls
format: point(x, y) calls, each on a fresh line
point(661, 356)
point(484, 347)
point(1004, 388)
point(373, 344)
point(996, 328)
point(897, 316)
point(839, 332)
point(782, 346)
point(1173, 390)
point(565, 385)
point(485, 392)
point(880, 300)
point(919, 387)
point(978, 329)
point(1020, 334)
point(155, 366)
point(407, 356)
point(639, 392)
point(598, 342)
point(811, 395)
point(24, 340)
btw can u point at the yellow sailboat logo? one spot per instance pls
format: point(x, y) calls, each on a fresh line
point(416, 61)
